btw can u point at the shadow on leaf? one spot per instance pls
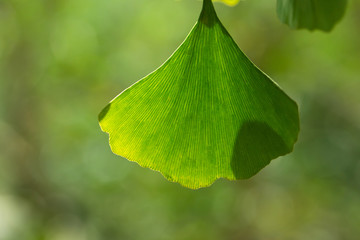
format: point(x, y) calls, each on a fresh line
point(103, 113)
point(255, 146)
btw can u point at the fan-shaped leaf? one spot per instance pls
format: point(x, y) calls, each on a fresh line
point(311, 14)
point(206, 113)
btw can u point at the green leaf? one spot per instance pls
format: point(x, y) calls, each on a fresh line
point(311, 14)
point(208, 112)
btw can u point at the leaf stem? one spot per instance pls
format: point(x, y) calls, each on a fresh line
point(208, 15)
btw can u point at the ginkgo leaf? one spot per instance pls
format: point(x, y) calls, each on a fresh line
point(229, 2)
point(311, 14)
point(208, 112)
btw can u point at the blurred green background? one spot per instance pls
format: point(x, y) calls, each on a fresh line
point(61, 61)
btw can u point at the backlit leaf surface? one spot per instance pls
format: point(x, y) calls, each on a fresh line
point(311, 14)
point(208, 112)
